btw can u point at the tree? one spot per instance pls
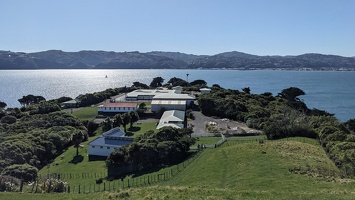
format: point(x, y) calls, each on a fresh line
point(117, 121)
point(134, 117)
point(199, 82)
point(106, 124)
point(156, 82)
point(246, 90)
point(2, 105)
point(291, 93)
point(126, 118)
point(91, 126)
point(140, 85)
point(76, 139)
point(30, 99)
point(178, 82)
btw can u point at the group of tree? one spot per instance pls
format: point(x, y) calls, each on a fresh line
point(30, 99)
point(166, 147)
point(37, 139)
point(98, 97)
point(32, 136)
point(120, 119)
point(285, 115)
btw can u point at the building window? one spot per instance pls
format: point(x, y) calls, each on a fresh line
point(108, 147)
point(93, 146)
point(101, 147)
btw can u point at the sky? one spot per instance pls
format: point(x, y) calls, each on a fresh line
point(201, 27)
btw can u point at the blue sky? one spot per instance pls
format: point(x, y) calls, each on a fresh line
point(261, 27)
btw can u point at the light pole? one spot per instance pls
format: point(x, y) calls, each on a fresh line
point(187, 77)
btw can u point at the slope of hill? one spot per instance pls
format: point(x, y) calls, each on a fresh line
point(56, 59)
point(273, 170)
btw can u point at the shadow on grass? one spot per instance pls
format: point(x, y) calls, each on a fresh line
point(97, 158)
point(134, 129)
point(77, 159)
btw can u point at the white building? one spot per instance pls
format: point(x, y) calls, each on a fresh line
point(118, 107)
point(105, 144)
point(205, 90)
point(156, 105)
point(171, 97)
point(172, 118)
point(147, 94)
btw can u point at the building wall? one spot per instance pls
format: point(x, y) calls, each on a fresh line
point(115, 110)
point(156, 107)
point(100, 150)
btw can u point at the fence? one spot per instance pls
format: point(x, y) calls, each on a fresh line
point(68, 176)
point(298, 139)
point(109, 185)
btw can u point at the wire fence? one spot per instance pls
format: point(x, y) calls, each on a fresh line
point(57, 182)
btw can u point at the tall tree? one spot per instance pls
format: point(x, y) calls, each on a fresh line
point(126, 118)
point(117, 121)
point(107, 124)
point(77, 138)
point(156, 82)
point(134, 117)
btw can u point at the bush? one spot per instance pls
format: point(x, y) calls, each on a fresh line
point(8, 119)
point(25, 172)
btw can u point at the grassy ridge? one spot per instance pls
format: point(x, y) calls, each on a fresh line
point(242, 171)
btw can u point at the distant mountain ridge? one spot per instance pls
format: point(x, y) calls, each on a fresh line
point(57, 59)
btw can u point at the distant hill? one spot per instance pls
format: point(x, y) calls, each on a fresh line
point(56, 59)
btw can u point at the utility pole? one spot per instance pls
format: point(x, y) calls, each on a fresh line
point(187, 77)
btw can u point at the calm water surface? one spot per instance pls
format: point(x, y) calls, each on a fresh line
point(331, 91)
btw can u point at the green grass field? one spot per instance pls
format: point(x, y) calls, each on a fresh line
point(88, 113)
point(285, 169)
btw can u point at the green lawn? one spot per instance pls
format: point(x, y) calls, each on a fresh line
point(88, 113)
point(140, 128)
point(284, 169)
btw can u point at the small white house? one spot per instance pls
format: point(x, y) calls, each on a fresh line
point(70, 104)
point(118, 107)
point(172, 118)
point(106, 143)
point(178, 89)
point(205, 90)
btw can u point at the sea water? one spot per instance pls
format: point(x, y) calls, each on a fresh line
point(330, 91)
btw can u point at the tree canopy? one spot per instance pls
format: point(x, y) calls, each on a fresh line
point(156, 82)
point(168, 146)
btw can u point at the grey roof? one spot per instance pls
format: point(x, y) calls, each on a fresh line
point(173, 115)
point(174, 118)
point(114, 138)
point(174, 97)
point(137, 93)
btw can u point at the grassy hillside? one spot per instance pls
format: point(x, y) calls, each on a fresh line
point(248, 170)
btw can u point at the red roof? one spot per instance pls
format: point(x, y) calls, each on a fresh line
point(120, 105)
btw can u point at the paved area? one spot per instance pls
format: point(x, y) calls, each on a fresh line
point(201, 120)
